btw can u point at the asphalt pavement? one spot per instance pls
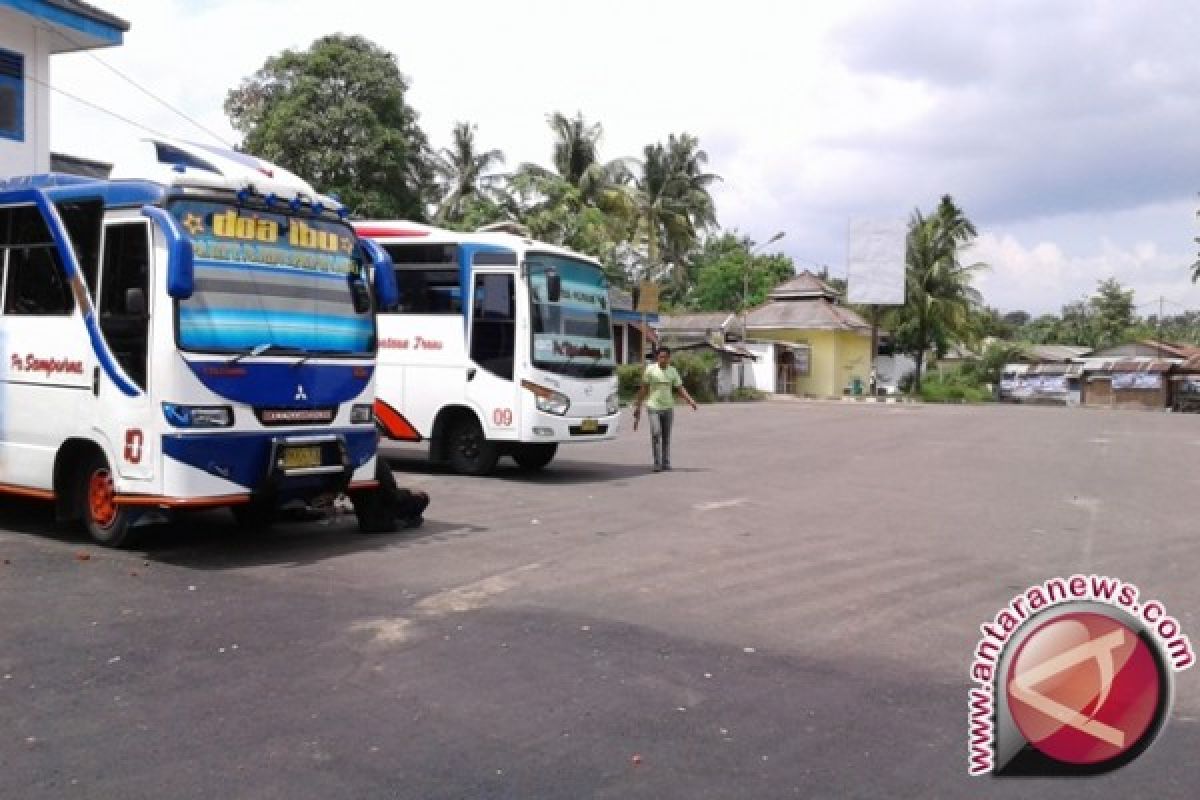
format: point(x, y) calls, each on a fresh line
point(790, 612)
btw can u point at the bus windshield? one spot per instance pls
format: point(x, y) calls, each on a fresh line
point(573, 336)
point(268, 281)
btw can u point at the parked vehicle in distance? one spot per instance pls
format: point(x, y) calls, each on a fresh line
point(500, 345)
point(201, 337)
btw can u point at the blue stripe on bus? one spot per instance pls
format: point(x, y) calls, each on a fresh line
point(277, 385)
point(271, 269)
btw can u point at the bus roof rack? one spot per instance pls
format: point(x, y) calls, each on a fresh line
point(173, 162)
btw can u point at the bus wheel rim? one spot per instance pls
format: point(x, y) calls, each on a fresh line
point(101, 498)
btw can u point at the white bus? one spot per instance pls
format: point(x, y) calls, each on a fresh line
point(500, 345)
point(204, 339)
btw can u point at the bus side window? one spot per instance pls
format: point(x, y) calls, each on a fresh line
point(34, 282)
point(493, 323)
point(125, 275)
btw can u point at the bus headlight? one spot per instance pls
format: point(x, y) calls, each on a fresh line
point(362, 413)
point(182, 416)
point(548, 400)
point(613, 403)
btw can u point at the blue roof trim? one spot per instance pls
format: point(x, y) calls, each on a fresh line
point(91, 26)
point(114, 194)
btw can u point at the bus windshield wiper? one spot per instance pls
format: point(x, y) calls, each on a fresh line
point(266, 349)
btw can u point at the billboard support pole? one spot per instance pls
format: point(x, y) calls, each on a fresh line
point(874, 347)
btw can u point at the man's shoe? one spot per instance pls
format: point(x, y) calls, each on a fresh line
point(667, 467)
point(658, 468)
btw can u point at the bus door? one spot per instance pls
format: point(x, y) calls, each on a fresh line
point(123, 309)
point(491, 320)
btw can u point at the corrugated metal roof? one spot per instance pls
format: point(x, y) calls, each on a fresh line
point(1056, 352)
point(805, 284)
point(714, 320)
point(1130, 365)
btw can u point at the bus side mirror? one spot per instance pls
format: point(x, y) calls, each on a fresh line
point(181, 269)
point(387, 294)
point(553, 286)
point(360, 294)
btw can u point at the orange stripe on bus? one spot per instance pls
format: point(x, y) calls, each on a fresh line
point(25, 491)
point(160, 501)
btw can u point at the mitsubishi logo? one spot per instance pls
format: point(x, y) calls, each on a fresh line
point(300, 393)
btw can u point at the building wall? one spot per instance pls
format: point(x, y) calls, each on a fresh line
point(1141, 399)
point(760, 373)
point(837, 357)
point(19, 34)
point(1097, 392)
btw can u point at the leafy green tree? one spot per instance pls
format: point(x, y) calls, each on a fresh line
point(939, 297)
point(336, 114)
point(1112, 310)
point(465, 177)
point(723, 268)
point(1016, 319)
point(1043, 330)
point(1077, 325)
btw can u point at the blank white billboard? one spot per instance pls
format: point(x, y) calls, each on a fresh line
point(875, 266)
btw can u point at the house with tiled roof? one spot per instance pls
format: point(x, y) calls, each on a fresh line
point(30, 32)
point(814, 345)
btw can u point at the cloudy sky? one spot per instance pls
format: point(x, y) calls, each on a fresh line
point(1066, 130)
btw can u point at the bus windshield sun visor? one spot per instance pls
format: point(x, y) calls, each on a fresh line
point(181, 270)
point(387, 293)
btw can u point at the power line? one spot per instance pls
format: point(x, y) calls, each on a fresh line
point(144, 91)
point(96, 107)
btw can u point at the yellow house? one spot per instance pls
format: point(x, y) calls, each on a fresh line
point(804, 310)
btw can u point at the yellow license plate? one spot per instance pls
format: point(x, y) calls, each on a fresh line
point(589, 426)
point(302, 457)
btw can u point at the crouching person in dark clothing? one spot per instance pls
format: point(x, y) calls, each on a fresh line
point(388, 508)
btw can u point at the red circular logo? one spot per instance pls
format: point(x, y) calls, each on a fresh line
point(1083, 688)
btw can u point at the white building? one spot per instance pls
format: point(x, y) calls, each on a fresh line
point(30, 32)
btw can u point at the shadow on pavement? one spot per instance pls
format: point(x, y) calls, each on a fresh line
point(562, 472)
point(212, 540)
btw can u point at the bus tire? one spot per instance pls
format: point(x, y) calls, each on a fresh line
point(375, 509)
point(470, 451)
point(533, 457)
point(106, 522)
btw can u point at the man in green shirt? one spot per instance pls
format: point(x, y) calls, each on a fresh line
point(659, 384)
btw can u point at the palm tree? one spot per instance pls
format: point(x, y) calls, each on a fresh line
point(939, 295)
point(672, 204)
point(464, 174)
point(582, 202)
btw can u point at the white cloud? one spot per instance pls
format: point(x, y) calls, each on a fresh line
point(1065, 130)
